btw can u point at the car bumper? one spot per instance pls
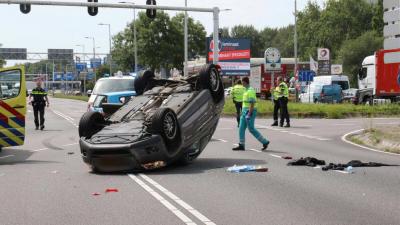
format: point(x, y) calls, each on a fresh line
point(122, 157)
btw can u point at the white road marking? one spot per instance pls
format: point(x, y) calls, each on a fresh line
point(29, 111)
point(69, 119)
point(276, 156)
point(341, 171)
point(344, 124)
point(70, 144)
point(225, 128)
point(344, 139)
point(6, 156)
point(162, 200)
point(39, 150)
point(222, 140)
point(255, 150)
point(180, 202)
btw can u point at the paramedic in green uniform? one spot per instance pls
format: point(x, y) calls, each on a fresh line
point(248, 117)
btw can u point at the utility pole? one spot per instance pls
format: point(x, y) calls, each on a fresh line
point(94, 54)
point(135, 39)
point(185, 66)
point(109, 37)
point(295, 48)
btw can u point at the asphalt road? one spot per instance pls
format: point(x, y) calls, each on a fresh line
point(46, 182)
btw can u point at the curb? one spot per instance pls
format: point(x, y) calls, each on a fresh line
point(344, 139)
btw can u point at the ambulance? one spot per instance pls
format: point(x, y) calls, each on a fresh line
point(12, 106)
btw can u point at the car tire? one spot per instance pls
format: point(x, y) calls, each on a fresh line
point(165, 123)
point(142, 80)
point(210, 79)
point(90, 123)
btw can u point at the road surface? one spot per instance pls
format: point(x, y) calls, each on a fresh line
point(46, 182)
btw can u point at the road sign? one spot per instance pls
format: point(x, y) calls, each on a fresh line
point(60, 54)
point(272, 59)
point(13, 53)
point(80, 66)
point(95, 63)
point(306, 75)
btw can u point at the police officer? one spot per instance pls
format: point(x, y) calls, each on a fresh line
point(283, 102)
point(38, 103)
point(237, 96)
point(248, 117)
point(276, 95)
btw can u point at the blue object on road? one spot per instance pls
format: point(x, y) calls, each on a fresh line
point(247, 168)
point(349, 169)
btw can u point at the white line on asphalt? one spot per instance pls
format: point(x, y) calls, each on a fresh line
point(70, 144)
point(183, 204)
point(69, 119)
point(39, 150)
point(344, 124)
point(340, 171)
point(276, 156)
point(344, 138)
point(162, 200)
point(222, 140)
point(255, 150)
point(6, 156)
point(225, 128)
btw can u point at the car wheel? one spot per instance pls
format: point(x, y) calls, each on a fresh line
point(142, 80)
point(165, 123)
point(210, 79)
point(90, 123)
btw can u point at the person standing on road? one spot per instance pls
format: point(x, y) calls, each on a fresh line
point(237, 97)
point(248, 117)
point(39, 102)
point(283, 102)
point(276, 95)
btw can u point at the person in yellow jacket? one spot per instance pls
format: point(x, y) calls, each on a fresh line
point(276, 94)
point(248, 117)
point(283, 102)
point(237, 97)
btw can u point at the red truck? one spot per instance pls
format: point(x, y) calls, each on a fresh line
point(261, 80)
point(379, 77)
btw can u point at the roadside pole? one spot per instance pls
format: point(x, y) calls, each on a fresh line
point(185, 69)
point(272, 86)
point(295, 50)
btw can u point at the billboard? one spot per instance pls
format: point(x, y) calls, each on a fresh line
point(13, 53)
point(234, 56)
point(60, 54)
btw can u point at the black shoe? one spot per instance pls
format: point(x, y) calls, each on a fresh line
point(287, 125)
point(275, 124)
point(37, 128)
point(42, 127)
point(265, 146)
point(239, 148)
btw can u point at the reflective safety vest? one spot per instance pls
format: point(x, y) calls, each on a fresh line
point(284, 90)
point(276, 93)
point(237, 93)
point(249, 97)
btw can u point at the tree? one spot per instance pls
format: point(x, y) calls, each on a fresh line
point(377, 19)
point(353, 52)
point(160, 42)
point(102, 70)
point(248, 31)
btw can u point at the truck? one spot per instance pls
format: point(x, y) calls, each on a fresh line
point(379, 77)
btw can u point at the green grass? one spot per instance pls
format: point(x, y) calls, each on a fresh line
point(81, 98)
point(329, 111)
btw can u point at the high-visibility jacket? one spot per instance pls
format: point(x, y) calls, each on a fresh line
point(249, 97)
point(237, 93)
point(284, 90)
point(276, 93)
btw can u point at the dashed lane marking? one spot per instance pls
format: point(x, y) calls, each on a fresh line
point(67, 118)
point(162, 200)
point(276, 156)
point(6, 156)
point(255, 150)
point(222, 140)
point(179, 201)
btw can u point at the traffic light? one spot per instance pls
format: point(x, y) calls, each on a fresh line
point(151, 13)
point(93, 10)
point(25, 8)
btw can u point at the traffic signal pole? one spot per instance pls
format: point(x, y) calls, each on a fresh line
point(214, 10)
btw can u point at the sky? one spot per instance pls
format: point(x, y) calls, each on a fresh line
point(65, 27)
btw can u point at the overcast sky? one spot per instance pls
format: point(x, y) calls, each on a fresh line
point(65, 27)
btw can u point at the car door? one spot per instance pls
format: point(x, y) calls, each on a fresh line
point(12, 106)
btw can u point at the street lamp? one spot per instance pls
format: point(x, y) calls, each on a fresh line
point(185, 66)
point(94, 52)
point(109, 37)
point(134, 33)
point(83, 50)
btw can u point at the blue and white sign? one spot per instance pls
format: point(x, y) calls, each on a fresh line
point(95, 63)
point(306, 75)
point(80, 67)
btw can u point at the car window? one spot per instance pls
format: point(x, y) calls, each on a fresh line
point(10, 82)
point(343, 84)
point(113, 85)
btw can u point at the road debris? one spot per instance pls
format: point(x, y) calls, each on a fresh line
point(154, 165)
point(287, 157)
point(353, 163)
point(109, 190)
point(308, 161)
point(247, 168)
point(71, 153)
point(95, 194)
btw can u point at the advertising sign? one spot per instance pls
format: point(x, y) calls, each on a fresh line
point(337, 69)
point(323, 54)
point(234, 56)
point(324, 63)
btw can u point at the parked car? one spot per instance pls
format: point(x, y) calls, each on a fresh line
point(111, 98)
point(114, 88)
point(331, 94)
point(168, 121)
point(312, 93)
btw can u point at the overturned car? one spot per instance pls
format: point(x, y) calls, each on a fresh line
point(169, 121)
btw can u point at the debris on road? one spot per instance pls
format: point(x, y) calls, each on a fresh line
point(109, 190)
point(71, 153)
point(287, 157)
point(247, 168)
point(308, 161)
point(353, 163)
point(96, 194)
point(154, 165)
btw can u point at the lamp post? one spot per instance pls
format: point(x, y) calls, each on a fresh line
point(84, 79)
point(94, 52)
point(185, 66)
point(109, 37)
point(134, 34)
point(295, 48)
point(83, 50)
